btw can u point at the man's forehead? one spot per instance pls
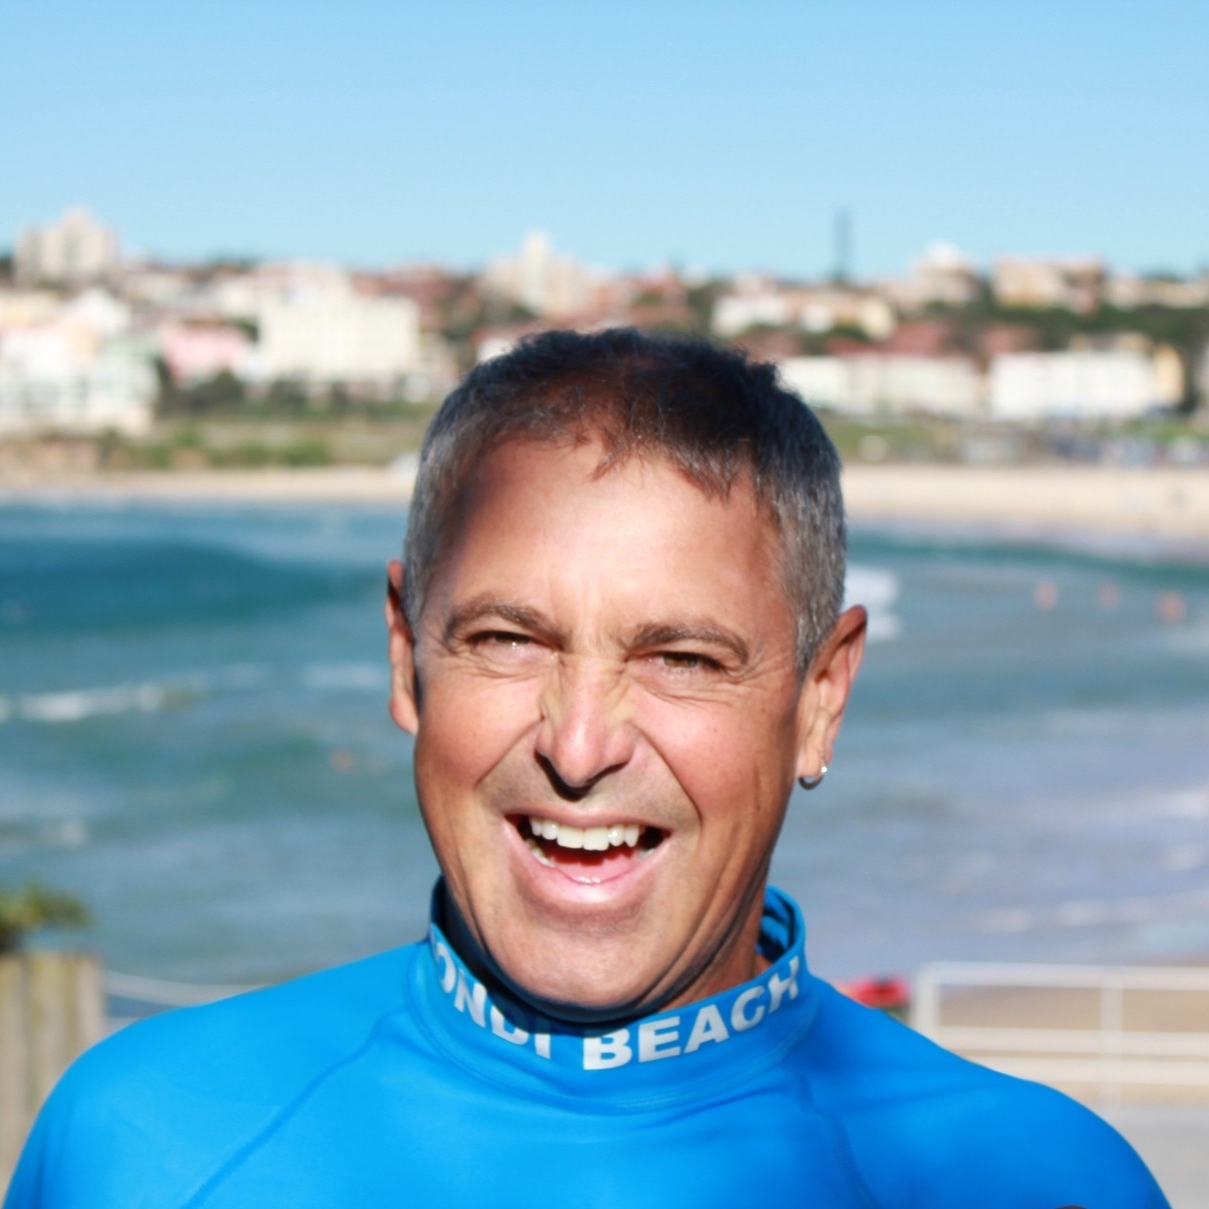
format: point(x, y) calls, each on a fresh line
point(542, 512)
point(598, 460)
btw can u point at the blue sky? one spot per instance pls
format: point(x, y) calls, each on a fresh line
point(714, 134)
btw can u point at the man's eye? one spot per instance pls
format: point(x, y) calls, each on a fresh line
point(495, 640)
point(686, 661)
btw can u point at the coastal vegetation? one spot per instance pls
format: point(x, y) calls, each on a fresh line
point(34, 908)
point(245, 438)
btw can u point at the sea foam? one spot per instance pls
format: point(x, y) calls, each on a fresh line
point(877, 589)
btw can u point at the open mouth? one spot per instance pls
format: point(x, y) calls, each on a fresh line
point(587, 854)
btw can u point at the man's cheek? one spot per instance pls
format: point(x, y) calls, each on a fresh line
point(698, 746)
point(454, 705)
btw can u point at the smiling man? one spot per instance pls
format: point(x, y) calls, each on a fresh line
point(609, 717)
point(616, 636)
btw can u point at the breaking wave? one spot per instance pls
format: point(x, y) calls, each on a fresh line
point(80, 704)
point(345, 677)
point(877, 589)
point(77, 704)
point(149, 697)
point(1094, 913)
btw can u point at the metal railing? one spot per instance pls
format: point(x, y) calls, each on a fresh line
point(1108, 1052)
point(129, 997)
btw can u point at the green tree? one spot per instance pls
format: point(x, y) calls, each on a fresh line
point(34, 907)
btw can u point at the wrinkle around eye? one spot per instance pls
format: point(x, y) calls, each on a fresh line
point(503, 650)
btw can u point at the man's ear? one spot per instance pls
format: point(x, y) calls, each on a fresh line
point(400, 645)
point(825, 691)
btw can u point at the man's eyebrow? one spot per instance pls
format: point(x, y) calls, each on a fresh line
point(665, 633)
point(481, 608)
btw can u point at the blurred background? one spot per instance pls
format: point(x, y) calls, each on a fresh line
point(245, 249)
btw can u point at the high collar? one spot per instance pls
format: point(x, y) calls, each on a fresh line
point(669, 1056)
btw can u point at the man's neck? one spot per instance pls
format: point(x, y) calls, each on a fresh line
point(453, 924)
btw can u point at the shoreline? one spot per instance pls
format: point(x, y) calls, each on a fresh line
point(1131, 510)
point(1145, 510)
point(335, 485)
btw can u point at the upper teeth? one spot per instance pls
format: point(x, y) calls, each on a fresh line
point(597, 839)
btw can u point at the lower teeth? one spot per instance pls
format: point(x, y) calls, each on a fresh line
point(536, 849)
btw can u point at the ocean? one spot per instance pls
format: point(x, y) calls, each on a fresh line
point(194, 740)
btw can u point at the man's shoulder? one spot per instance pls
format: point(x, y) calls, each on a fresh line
point(926, 1127)
point(173, 1091)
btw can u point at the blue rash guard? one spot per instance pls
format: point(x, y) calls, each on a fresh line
point(400, 1081)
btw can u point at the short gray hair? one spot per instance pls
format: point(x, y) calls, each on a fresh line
point(712, 412)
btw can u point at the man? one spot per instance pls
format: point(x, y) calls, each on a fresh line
point(616, 638)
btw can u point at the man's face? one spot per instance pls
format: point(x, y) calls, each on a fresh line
point(608, 725)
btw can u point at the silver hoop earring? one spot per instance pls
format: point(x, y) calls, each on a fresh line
point(813, 782)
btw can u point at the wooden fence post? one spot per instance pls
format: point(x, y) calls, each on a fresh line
point(14, 1077)
point(51, 1010)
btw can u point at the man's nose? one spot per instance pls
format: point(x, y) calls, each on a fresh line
point(585, 732)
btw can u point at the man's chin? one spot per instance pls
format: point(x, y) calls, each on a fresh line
point(611, 969)
point(565, 969)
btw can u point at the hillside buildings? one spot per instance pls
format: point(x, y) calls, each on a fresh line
point(1074, 284)
point(950, 343)
point(88, 343)
point(942, 275)
point(756, 301)
point(74, 251)
point(550, 286)
point(1081, 383)
point(1084, 383)
point(338, 335)
point(887, 383)
point(79, 369)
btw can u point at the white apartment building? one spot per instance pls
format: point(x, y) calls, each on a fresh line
point(243, 295)
point(546, 284)
point(868, 383)
point(1080, 383)
point(95, 315)
point(1073, 283)
point(756, 302)
point(72, 367)
point(24, 308)
point(1127, 290)
point(338, 335)
point(822, 310)
point(153, 286)
point(73, 251)
point(822, 381)
point(942, 274)
point(46, 387)
point(735, 313)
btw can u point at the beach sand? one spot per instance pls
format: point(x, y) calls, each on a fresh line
point(341, 484)
point(1164, 506)
point(1167, 505)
